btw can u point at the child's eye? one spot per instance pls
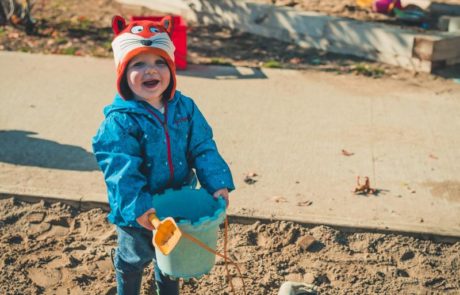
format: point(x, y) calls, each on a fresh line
point(160, 62)
point(154, 30)
point(138, 64)
point(137, 29)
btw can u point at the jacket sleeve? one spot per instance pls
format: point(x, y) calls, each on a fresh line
point(212, 171)
point(118, 153)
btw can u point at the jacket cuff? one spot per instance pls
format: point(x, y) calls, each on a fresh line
point(143, 203)
point(214, 182)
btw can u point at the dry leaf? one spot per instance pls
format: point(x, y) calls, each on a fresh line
point(13, 35)
point(304, 203)
point(250, 178)
point(47, 31)
point(295, 61)
point(346, 153)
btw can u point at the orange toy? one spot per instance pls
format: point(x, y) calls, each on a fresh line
point(364, 188)
point(167, 234)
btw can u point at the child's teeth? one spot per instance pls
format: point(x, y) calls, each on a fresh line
point(151, 83)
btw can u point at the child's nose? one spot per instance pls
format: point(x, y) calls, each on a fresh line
point(151, 70)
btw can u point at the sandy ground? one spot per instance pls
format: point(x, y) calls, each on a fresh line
point(52, 248)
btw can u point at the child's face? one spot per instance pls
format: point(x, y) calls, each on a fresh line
point(148, 76)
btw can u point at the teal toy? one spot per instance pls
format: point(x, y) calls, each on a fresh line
point(197, 214)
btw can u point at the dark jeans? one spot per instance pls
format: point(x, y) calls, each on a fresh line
point(135, 252)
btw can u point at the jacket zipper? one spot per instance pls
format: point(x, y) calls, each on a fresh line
point(168, 139)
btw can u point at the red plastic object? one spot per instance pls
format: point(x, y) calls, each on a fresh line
point(385, 6)
point(178, 37)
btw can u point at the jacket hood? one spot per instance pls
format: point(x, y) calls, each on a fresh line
point(119, 104)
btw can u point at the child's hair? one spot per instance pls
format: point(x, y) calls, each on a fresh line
point(142, 36)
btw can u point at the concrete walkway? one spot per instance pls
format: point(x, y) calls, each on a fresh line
point(288, 127)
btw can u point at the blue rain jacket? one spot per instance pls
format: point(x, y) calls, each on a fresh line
point(141, 156)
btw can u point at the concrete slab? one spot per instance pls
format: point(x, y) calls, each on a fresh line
point(368, 40)
point(363, 37)
point(287, 126)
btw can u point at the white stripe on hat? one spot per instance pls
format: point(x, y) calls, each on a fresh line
point(127, 42)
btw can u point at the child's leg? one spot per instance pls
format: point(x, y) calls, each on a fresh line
point(134, 253)
point(165, 286)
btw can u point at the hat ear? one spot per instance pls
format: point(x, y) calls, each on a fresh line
point(118, 24)
point(167, 23)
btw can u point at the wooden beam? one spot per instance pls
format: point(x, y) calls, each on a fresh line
point(446, 49)
point(436, 49)
point(423, 48)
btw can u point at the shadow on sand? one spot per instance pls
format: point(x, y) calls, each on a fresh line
point(21, 148)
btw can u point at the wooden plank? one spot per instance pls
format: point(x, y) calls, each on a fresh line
point(436, 49)
point(423, 48)
point(454, 61)
point(446, 49)
point(449, 23)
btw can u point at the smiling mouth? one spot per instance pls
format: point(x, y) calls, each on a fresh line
point(151, 83)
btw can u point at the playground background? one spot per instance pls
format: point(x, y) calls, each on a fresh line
point(51, 248)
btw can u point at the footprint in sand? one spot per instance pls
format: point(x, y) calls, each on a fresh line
point(38, 229)
point(55, 231)
point(63, 261)
point(74, 290)
point(57, 226)
point(45, 277)
point(79, 228)
point(105, 265)
point(35, 217)
point(43, 226)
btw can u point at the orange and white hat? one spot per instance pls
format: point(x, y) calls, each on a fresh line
point(140, 37)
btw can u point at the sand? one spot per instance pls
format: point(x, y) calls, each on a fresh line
point(53, 248)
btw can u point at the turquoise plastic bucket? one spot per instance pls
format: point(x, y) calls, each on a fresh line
point(197, 213)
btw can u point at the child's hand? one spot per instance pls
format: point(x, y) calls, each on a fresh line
point(143, 220)
point(223, 192)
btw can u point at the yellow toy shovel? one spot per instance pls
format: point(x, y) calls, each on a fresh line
point(167, 233)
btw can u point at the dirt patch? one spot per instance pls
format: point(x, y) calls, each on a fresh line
point(350, 9)
point(449, 190)
point(51, 248)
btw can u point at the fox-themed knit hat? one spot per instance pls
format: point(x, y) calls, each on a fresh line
point(141, 37)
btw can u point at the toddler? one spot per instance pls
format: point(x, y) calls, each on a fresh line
point(151, 139)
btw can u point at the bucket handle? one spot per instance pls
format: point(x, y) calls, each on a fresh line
point(224, 256)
